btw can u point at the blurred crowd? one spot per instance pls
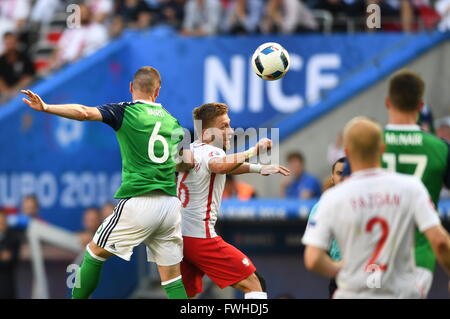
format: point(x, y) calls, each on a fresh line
point(40, 36)
point(13, 235)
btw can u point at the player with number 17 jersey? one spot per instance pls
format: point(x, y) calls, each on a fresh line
point(414, 152)
point(409, 150)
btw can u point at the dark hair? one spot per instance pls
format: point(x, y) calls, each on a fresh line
point(296, 155)
point(9, 34)
point(208, 112)
point(341, 160)
point(147, 80)
point(406, 90)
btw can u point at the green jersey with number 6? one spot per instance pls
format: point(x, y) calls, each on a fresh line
point(148, 137)
point(414, 152)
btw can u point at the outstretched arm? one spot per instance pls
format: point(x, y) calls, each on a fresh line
point(71, 111)
point(264, 170)
point(227, 164)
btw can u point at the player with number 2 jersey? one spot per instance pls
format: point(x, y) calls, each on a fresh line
point(372, 215)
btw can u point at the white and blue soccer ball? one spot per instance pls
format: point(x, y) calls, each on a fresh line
point(270, 61)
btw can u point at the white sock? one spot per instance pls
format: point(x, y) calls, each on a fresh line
point(170, 281)
point(94, 255)
point(255, 295)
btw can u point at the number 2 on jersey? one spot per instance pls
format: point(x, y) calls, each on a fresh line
point(151, 145)
point(384, 234)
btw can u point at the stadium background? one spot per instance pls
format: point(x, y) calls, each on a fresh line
point(337, 72)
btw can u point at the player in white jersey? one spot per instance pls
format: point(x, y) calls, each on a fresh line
point(372, 216)
point(200, 191)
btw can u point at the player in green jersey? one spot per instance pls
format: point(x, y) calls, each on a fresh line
point(412, 151)
point(149, 210)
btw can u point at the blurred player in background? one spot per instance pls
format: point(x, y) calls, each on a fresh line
point(200, 191)
point(334, 252)
point(148, 210)
point(372, 216)
point(412, 151)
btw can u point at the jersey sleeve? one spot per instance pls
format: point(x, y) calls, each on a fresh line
point(313, 211)
point(112, 114)
point(318, 232)
point(425, 215)
point(208, 153)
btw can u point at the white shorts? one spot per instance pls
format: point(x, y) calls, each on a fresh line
point(424, 279)
point(153, 219)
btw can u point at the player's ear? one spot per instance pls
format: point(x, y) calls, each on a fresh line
point(346, 151)
point(387, 102)
point(207, 135)
point(157, 93)
point(382, 148)
point(131, 87)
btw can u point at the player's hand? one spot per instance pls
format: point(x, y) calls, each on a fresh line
point(34, 101)
point(267, 170)
point(263, 145)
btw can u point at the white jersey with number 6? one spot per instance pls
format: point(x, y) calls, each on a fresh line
point(200, 192)
point(373, 216)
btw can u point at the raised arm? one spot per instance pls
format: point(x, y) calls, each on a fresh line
point(71, 111)
point(264, 170)
point(226, 164)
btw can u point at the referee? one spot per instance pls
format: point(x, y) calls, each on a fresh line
point(336, 177)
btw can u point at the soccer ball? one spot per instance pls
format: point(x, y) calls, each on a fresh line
point(270, 61)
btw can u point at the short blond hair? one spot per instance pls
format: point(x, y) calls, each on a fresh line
point(147, 80)
point(363, 138)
